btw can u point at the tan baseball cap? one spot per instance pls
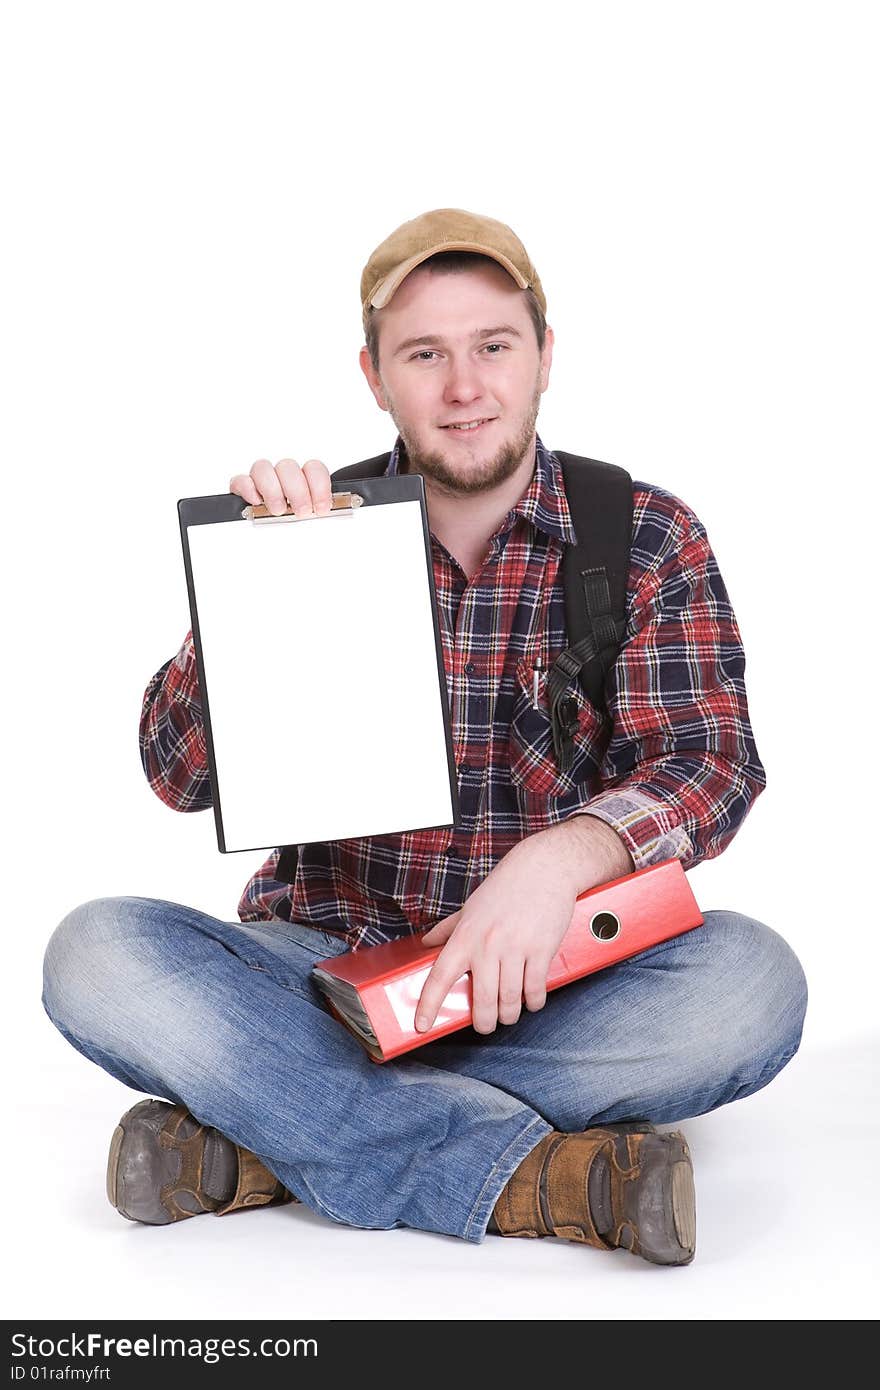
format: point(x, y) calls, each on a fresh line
point(443, 229)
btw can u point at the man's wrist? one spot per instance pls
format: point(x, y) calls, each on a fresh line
point(591, 851)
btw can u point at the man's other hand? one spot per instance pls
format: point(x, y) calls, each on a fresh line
point(510, 928)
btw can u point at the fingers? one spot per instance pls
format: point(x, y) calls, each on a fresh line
point(498, 986)
point(535, 983)
point(310, 484)
point(510, 990)
point(442, 930)
point(447, 968)
point(306, 491)
point(244, 485)
point(484, 1014)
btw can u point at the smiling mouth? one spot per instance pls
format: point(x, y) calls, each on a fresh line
point(469, 428)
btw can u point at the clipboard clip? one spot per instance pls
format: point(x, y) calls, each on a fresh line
point(341, 504)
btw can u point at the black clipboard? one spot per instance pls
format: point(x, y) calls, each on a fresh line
point(365, 705)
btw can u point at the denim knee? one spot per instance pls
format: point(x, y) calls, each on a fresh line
point(76, 955)
point(768, 983)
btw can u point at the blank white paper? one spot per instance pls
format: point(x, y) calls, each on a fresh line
point(321, 676)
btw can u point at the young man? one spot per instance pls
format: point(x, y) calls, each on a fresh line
point(541, 1119)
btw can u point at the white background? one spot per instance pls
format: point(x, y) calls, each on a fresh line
point(192, 191)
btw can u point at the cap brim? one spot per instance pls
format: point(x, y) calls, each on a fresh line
point(387, 287)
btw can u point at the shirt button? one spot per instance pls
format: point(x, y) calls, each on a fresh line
point(464, 768)
point(470, 669)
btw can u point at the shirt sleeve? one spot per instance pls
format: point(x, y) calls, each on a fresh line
point(681, 770)
point(172, 734)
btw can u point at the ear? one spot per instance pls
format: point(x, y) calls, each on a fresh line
point(546, 358)
point(373, 379)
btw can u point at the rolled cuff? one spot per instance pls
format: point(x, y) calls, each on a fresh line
point(649, 828)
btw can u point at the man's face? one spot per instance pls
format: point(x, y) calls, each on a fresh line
point(455, 347)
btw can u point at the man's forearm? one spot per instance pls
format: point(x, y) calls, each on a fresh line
point(588, 851)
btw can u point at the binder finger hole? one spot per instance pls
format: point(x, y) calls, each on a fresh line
point(605, 926)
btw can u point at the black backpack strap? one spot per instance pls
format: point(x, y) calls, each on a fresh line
point(594, 576)
point(367, 468)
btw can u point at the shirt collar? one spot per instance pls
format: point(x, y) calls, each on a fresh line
point(543, 503)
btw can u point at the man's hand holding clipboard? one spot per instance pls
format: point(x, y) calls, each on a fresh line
point(286, 487)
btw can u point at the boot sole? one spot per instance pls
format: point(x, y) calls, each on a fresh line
point(134, 1173)
point(113, 1193)
point(684, 1206)
point(664, 1209)
point(148, 1180)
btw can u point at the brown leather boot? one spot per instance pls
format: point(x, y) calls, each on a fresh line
point(165, 1166)
point(618, 1186)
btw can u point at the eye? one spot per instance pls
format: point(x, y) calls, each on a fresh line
point(425, 354)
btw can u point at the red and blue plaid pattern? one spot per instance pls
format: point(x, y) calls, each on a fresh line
point(672, 767)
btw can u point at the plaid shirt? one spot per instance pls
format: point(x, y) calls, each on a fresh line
point(672, 767)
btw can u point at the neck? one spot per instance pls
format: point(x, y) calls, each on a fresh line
point(466, 522)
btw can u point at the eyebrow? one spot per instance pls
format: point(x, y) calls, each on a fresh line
point(434, 340)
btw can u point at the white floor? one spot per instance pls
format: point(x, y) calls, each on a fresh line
point(787, 1189)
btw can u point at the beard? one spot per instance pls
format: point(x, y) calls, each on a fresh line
point(483, 477)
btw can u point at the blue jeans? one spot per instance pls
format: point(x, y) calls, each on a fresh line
point(224, 1018)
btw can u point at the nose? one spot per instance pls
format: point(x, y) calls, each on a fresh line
point(462, 380)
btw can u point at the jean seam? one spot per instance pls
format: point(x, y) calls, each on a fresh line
point(498, 1164)
point(774, 1067)
point(322, 1206)
point(282, 984)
